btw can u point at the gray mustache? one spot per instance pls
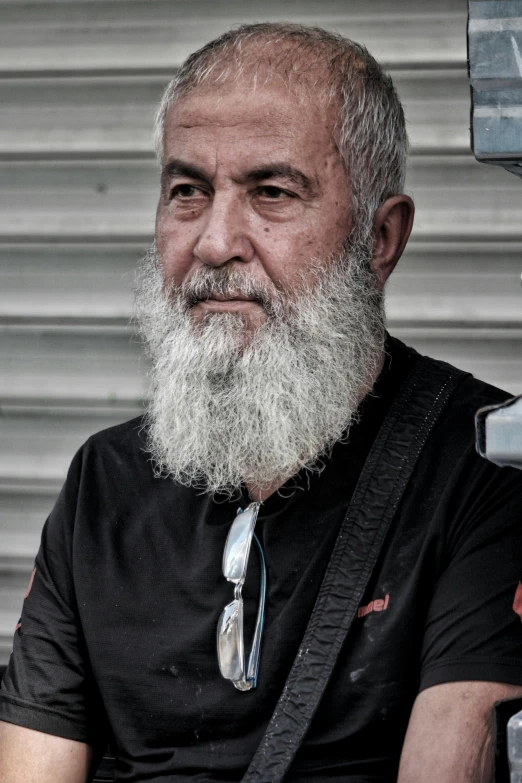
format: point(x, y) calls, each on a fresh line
point(229, 284)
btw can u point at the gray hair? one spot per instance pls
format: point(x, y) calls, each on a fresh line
point(370, 129)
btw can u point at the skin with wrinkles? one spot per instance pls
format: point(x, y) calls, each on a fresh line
point(274, 224)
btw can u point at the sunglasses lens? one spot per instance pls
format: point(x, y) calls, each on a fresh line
point(237, 548)
point(230, 642)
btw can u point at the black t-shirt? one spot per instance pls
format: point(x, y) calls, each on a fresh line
point(119, 629)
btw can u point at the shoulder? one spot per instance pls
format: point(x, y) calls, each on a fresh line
point(450, 474)
point(470, 394)
point(473, 392)
point(125, 437)
point(116, 456)
point(449, 457)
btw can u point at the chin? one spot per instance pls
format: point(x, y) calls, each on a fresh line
point(245, 325)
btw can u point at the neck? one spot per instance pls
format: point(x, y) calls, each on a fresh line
point(260, 495)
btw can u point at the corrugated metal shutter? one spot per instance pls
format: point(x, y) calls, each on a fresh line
point(78, 85)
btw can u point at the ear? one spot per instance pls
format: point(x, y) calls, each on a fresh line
point(392, 224)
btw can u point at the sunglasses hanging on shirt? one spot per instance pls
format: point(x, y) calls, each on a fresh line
point(230, 639)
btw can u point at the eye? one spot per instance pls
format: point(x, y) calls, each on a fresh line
point(184, 191)
point(274, 193)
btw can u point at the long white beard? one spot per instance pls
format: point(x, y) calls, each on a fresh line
point(226, 410)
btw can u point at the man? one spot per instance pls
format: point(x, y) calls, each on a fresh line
point(281, 216)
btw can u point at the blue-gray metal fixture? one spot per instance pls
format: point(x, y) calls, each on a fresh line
point(495, 72)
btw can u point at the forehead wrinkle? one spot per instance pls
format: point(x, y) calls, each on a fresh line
point(253, 129)
point(191, 122)
point(216, 95)
point(254, 134)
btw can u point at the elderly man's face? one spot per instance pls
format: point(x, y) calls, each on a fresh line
point(252, 179)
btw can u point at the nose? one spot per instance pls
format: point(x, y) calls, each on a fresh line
point(224, 235)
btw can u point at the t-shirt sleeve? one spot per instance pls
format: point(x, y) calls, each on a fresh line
point(474, 624)
point(48, 685)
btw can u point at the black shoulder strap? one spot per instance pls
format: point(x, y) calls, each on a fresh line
point(383, 479)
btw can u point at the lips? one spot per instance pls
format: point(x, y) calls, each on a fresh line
point(229, 298)
point(221, 303)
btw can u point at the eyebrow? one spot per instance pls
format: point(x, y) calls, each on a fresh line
point(285, 170)
point(179, 168)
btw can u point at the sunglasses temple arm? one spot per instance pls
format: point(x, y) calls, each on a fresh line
point(253, 660)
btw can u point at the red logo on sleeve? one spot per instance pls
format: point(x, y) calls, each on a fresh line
point(517, 603)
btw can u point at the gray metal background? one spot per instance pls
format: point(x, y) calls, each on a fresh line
point(78, 85)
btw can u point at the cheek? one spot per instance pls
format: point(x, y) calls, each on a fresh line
point(286, 258)
point(284, 261)
point(174, 247)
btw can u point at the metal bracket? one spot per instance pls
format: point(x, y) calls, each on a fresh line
point(499, 433)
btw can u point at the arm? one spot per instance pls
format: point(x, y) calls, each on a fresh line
point(450, 733)
point(49, 701)
point(28, 755)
